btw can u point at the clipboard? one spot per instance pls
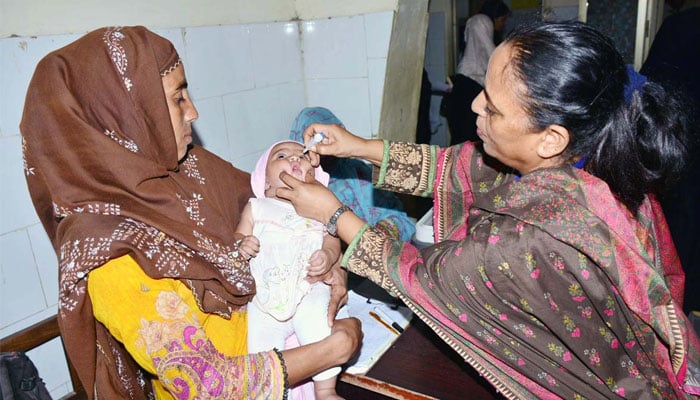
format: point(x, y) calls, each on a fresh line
point(377, 336)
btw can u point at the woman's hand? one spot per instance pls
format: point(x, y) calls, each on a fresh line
point(341, 143)
point(313, 200)
point(337, 278)
point(336, 349)
point(348, 332)
point(310, 199)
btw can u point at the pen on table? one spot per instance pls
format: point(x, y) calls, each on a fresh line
point(381, 321)
point(388, 319)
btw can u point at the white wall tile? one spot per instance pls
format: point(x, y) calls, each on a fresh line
point(51, 363)
point(249, 128)
point(377, 72)
point(176, 37)
point(334, 48)
point(210, 128)
point(21, 295)
point(378, 28)
point(46, 262)
point(218, 60)
point(293, 96)
point(247, 162)
point(276, 53)
point(18, 59)
point(351, 106)
point(16, 209)
point(257, 118)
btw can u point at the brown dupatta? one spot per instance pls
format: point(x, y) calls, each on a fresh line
point(102, 170)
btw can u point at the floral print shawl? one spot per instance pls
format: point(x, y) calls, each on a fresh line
point(545, 284)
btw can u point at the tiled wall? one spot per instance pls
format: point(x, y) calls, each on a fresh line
point(248, 82)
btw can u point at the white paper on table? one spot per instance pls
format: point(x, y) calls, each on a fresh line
point(377, 338)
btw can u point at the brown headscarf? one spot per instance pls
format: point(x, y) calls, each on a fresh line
point(102, 170)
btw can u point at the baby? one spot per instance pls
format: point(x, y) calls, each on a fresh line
point(285, 249)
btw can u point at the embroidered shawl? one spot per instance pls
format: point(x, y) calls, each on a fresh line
point(547, 285)
point(102, 170)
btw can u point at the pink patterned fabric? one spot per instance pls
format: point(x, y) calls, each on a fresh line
point(547, 285)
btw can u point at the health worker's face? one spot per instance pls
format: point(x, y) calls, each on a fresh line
point(502, 122)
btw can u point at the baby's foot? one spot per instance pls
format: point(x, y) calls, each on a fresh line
point(326, 393)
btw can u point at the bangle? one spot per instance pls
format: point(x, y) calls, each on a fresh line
point(284, 372)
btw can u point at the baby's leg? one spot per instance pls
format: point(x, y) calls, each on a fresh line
point(325, 389)
point(311, 325)
point(264, 331)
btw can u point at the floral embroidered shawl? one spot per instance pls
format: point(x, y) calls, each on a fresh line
point(547, 285)
point(102, 170)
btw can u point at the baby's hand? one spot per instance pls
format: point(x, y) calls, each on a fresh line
point(319, 263)
point(249, 246)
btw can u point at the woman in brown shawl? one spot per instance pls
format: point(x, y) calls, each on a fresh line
point(554, 274)
point(152, 288)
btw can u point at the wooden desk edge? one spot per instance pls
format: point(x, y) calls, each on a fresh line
point(383, 388)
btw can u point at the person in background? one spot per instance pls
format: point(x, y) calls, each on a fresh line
point(351, 182)
point(469, 81)
point(286, 249)
point(152, 286)
point(498, 12)
point(674, 59)
point(554, 274)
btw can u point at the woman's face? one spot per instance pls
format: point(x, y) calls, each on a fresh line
point(502, 123)
point(182, 110)
point(290, 158)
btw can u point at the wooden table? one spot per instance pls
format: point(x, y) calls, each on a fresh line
point(418, 366)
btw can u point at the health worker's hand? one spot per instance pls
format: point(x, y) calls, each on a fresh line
point(310, 199)
point(338, 142)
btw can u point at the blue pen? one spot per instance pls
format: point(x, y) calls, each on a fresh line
point(314, 141)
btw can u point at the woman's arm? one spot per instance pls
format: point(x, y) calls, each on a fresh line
point(417, 169)
point(167, 317)
point(336, 349)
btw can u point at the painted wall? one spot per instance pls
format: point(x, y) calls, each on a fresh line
point(39, 17)
point(248, 81)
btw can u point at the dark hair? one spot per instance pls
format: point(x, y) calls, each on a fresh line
point(574, 77)
point(494, 9)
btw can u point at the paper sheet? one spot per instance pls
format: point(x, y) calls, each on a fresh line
point(377, 338)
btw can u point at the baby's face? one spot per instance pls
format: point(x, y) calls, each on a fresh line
point(290, 158)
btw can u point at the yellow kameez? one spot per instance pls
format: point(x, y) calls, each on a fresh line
point(120, 289)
